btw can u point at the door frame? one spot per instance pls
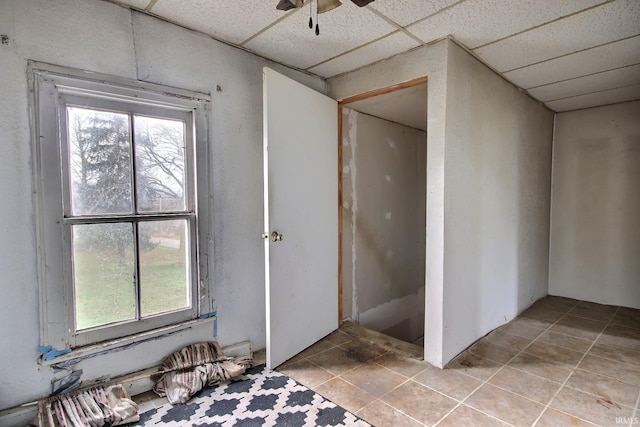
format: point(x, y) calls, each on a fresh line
point(341, 103)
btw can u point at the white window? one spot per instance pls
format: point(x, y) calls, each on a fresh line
point(117, 185)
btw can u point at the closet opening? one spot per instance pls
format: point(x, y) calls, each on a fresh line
point(382, 215)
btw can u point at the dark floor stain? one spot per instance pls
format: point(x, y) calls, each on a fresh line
point(607, 403)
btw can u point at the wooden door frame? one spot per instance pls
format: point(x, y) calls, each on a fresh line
point(341, 103)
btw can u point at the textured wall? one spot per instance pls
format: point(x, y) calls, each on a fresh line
point(497, 194)
point(103, 37)
point(595, 221)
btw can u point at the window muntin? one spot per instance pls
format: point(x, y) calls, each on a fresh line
point(118, 241)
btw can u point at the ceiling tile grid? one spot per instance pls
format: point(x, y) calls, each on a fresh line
point(609, 57)
point(478, 22)
point(138, 4)
point(594, 27)
point(229, 20)
point(341, 30)
point(565, 53)
point(620, 77)
point(606, 97)
point(378, 50)
point(405, 12)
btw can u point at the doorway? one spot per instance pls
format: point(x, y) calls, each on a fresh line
point(382, 192)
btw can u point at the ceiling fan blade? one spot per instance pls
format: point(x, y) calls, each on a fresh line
point(362, 3)
point(288, 4)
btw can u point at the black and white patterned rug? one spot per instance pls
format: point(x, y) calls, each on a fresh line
point(257, 398)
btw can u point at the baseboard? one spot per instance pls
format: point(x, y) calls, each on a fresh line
point(136, 383)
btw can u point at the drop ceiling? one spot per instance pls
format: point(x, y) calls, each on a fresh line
point(568, 54)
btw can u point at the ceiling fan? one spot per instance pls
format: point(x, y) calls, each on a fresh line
point(322, 6)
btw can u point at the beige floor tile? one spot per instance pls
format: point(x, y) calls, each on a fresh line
point(628, 374)
point(490, 350)
point(530, 386)
point(508, 340)
point(553, 418)
point(306, 372)
point(524, 327)
point(621, 336)
point(374, 379)
point(448, 381)
point(542, 313)
point(555, 353)
point(621, 355)
point(420, 402)
point(464, 415)
point(555, 303)
point(549, 369)
point(591, 310)
point(362, 351)
point(470, 364)
point(604, 387)
point(591, 408)
point(380, 414)
point(319, 347)
point(566, 341)
point(401, 364)
point(336, 360)
point(506, 406)
point(338, 337)
point(344, 394)
point(628, 317)
point(579, 327)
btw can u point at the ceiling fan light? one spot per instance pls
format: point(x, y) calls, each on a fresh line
point(288, 4)
point(327, 5)
point(362, 3)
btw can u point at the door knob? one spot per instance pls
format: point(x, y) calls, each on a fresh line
point(276, 237)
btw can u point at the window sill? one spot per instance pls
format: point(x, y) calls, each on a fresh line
point(119, 343)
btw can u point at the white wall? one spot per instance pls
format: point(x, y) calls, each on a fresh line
point(488, 192)
point(497, 195)
point(595, 221)
point(384, 179)
point(102, 37)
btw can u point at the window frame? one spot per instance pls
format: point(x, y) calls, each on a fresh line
point(52, 89)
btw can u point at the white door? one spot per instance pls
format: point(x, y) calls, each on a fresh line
point(301, 207)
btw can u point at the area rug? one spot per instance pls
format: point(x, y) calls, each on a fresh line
point(257, 398)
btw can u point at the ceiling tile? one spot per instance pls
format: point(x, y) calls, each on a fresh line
point(477, 22)
point(606, 97)
point(613, 79)
point(603, 24)
point(405, 12)
point(603, 58)
point(231, 20)
point(292, 42)
point(384, 48)
point(138, 4)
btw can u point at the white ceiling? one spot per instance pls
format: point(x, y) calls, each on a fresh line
point(569, 54)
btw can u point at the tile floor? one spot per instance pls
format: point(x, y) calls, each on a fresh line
point(562, 362)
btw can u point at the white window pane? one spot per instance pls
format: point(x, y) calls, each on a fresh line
point(104, 274)
point(100, 161)
point(164, 266)
point(160, 174)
